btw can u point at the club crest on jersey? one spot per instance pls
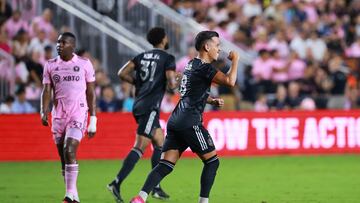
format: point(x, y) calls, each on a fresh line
point(56, 78)
point(76, 68)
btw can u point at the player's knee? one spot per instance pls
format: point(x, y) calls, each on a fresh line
point(213, 163)
point(141, 143)
point(165, 167)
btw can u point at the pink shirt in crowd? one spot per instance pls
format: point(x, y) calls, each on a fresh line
point(296, 69)
point(42, 24)
point(353, 50)
point(180, 64)
point(69, 79)
point(277, 64)
point(12, 27)
point(281, 47)
point(262, 69)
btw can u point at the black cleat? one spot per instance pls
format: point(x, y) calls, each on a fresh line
point(115, 191)
point(158, 193)
point(67, 200)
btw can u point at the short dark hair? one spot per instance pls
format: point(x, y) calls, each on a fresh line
point(155, 35)
point(202, 37)
point(70, 35)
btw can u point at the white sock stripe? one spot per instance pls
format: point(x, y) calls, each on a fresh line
point(168, 164)
point(71, 165)
point(150, 122)
point(137, 151)
point(212, 159)
point(199, 138)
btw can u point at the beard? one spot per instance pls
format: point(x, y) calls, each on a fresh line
point(166, 46)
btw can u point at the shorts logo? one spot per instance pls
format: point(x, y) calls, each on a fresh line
point(76, 68)
point(56, 78)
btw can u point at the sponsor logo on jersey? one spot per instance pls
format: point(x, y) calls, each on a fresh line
point(71, 78)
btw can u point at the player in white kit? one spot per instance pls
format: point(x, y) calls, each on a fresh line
point(71, 78)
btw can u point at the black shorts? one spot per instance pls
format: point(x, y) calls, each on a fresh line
point(146, 123)
point(197, 138)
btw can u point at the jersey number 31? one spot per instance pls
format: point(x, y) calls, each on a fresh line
point(145, 72)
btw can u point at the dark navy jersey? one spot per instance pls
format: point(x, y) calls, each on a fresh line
point(150, 82)
point(194, 90)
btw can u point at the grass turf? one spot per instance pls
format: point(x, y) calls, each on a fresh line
point(280, 179)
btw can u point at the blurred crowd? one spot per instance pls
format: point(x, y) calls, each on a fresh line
point(306, 54)
point(306, 51)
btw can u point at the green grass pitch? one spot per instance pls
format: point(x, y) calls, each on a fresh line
point(278, 179)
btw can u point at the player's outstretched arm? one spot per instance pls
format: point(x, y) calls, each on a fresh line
point(91, 101)
point(125, 72)
point(228, 79)
point(44, 104)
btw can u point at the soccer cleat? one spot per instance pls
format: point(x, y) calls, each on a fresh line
point(67, 200)
point(115, 191)
point(159, 193)
point(137, 199)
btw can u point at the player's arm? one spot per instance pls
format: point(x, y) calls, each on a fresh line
point(228, 79)
point(91, 101)
point(215, 101)
point(45, 103)
point(125, 72)
point(172, 83)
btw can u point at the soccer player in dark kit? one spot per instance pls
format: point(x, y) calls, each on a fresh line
point(184, 127)
point(155, 71)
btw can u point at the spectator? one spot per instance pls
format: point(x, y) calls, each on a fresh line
point(182, 62)
point(261, 104)
point(316, 47)
point(279, 103)
point(43, 22)
point(6, 106)
point(14, 24)
point(5, 11)
point(20, 44)
point(294, 98)
point(38, 43)
point(27, 7)
point(20, 104)
point(296, 67)
point(108, 101)
point(35, 68)
point(279, 68)
point(251, 8)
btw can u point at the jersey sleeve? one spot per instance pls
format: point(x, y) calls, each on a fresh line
point(46, 74)
point(170, 63)
point(208, 72)
point(90, 72)
point(136, 60)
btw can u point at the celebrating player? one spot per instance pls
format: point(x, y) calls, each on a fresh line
point(155, 71)
point(72, 80)
point(185, 128)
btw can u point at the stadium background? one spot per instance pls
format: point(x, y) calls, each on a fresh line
point(305, 106)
